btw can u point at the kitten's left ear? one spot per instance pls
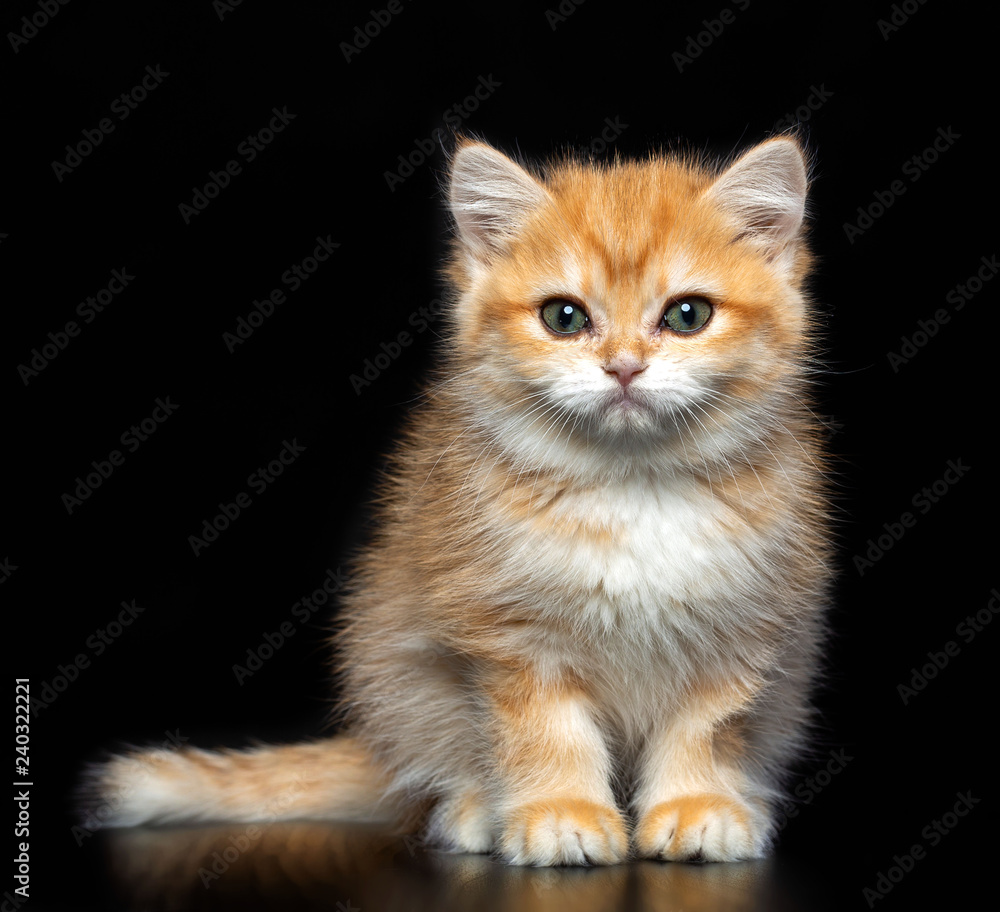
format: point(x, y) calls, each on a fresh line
point(766, 190)
point(490, 197)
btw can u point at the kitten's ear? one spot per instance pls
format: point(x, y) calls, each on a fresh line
point(766, 190)
point(490, 197)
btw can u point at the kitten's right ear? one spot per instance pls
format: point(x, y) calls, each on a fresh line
point(765, 189)
point(490, 197)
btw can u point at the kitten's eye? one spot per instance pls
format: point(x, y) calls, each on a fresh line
point(564, 317)
point(687, 315)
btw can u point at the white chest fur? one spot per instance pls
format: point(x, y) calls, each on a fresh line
point(627, 553)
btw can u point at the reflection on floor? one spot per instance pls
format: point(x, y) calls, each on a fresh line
point(359, 869)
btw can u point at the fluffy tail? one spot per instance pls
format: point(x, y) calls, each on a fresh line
point(335, 779)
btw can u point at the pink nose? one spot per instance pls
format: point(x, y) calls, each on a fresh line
point(624, 369)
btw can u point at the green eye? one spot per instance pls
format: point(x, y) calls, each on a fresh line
point(564, 317)
point(687, 315)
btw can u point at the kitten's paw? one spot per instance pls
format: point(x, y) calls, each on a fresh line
point(462, 824)
point(564, 831)
point(700, 828)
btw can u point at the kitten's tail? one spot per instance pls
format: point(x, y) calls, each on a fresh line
point(334, 779)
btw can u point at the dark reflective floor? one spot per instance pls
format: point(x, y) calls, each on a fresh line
point(356, 869)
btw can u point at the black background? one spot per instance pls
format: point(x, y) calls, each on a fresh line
point(885, 99)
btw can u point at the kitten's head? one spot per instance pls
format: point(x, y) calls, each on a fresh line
point(632, 311)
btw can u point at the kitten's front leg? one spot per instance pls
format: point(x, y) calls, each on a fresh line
point(694, 801)
point(555, 770)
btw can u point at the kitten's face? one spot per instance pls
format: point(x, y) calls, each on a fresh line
point(621, 308)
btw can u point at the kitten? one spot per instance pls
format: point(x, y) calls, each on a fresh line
point(602, 561)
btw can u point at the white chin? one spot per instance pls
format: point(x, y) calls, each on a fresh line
point(627, 413)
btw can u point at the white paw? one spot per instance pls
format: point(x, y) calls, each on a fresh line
point(701, 827)
point(462, 824)
point(564, 832)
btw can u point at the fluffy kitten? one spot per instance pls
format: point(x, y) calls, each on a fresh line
point(601, 563)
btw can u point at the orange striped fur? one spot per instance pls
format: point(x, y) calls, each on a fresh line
point(594, 601)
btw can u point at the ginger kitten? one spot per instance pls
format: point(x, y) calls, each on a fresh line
point(593, 607)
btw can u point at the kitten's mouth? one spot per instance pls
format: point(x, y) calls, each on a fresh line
point(627, 404)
